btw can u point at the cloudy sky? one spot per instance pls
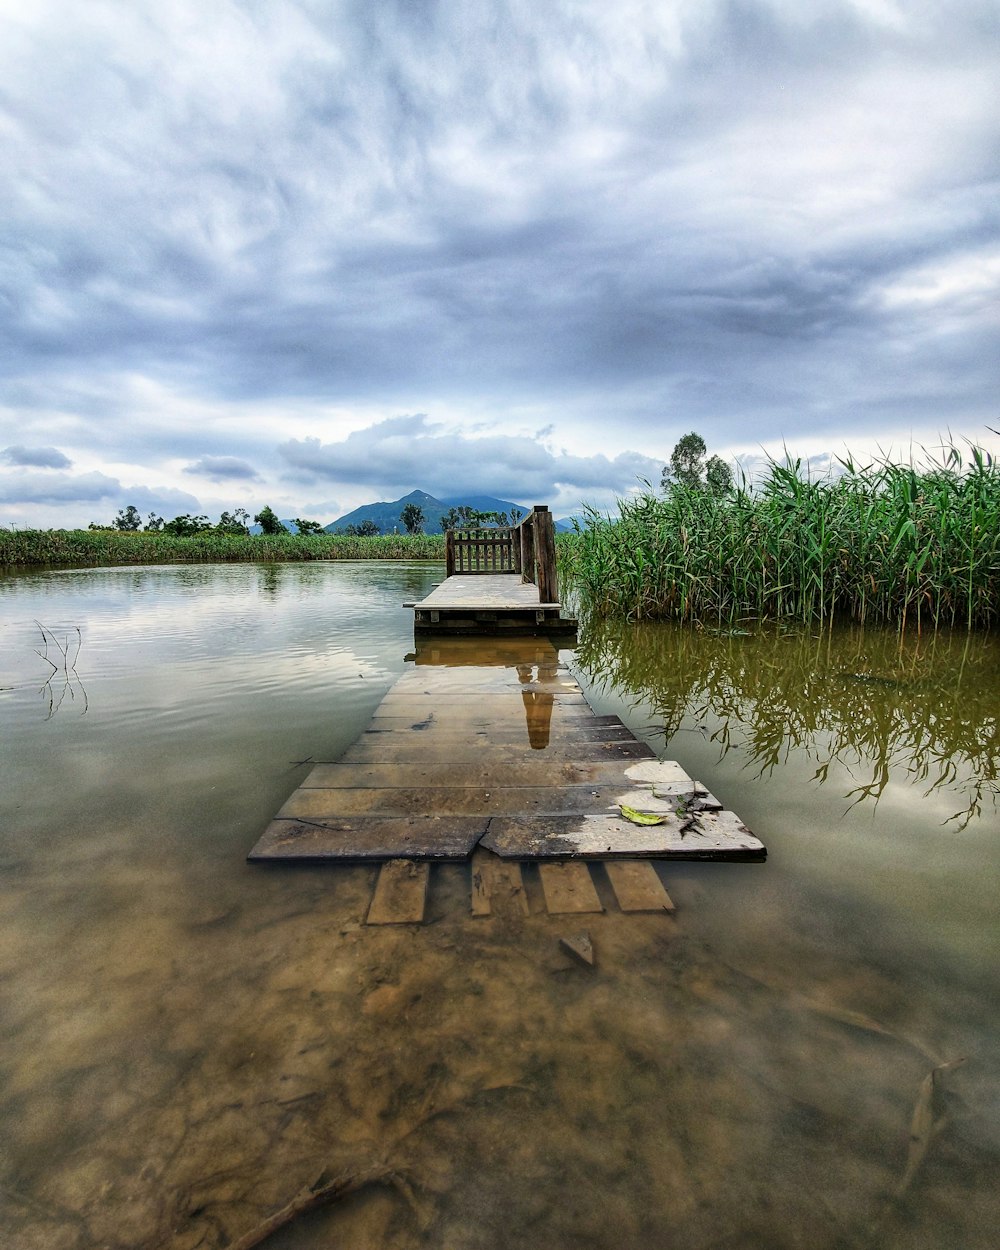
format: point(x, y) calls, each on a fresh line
point(311, 253)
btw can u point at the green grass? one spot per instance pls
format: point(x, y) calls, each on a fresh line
point(900, 544)
point(22, 548)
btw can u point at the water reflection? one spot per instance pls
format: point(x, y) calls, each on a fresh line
point(536, 661)
point(188, 1043)
point(878, 705)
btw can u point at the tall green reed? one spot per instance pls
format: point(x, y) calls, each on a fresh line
point(108, 547)
point(914, 545)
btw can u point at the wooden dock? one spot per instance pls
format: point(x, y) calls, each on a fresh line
point(498, 580)
point(494, 603)
point(490, 749)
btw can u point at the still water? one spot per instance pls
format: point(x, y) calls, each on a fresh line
point(188, 1041)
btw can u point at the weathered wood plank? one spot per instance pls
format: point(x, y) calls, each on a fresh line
point(568, 888)
point(358, 838)
point(502, 734)
point(531, 772)
point(485, 721)
point(317, 803)
point(497, 886)
point(400, 893)
point(485, 590)
point(708, 835)
point(636, 885)
point(473, 752)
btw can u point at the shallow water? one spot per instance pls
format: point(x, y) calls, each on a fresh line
point(187, 1040)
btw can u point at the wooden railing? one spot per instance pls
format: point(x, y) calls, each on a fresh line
point(496, 549)
point(528, 549)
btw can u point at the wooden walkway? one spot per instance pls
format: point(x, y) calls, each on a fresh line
point(492, 603)
point(501, 754)
point(499, 580)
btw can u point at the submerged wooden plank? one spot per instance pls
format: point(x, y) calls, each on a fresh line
point(370, 837)
point(503, 733)
point(400, 893)
point(636, 885)
point(497, 886)
point(475, 751)
point(534, 771)
point(568, 888)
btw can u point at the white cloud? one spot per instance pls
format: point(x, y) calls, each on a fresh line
point(407, 451)
point(765, 221)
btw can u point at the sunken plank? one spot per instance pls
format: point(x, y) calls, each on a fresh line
point(474, 750)
point(400, 893)
point(497, 886)
point(636, 885)
point(534, 771)
point(370, 837)
point(568, 888)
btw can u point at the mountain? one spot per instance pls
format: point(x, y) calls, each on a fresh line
point(386, 515)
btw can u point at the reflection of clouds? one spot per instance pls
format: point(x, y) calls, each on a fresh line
point(882, 716)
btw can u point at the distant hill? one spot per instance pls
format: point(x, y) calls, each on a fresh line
point(386, 515)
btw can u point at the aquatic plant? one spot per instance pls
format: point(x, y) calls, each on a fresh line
point(905, 544)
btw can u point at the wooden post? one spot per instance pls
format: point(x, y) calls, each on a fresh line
point(545, 554)
point(527, 532)
point(449, 552)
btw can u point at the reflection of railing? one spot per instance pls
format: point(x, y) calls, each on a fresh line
point(536, 662)
point(528, 549)
point(921, 710)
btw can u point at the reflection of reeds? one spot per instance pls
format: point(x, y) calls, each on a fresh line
point(882, 543)
point(64, 679)
point(868, 700)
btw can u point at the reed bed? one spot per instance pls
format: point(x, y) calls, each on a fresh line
point(886, 543)
point(21, 548)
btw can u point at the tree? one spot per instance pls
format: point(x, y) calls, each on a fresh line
point(686, 461)
point(413, 518)
point(687, 468)
point(365, 529)
point(128, 518)
point(718, 476)
point(186, 525)
point(234, 522)
point(268, 522)
point(307, 527)
point(154, 523)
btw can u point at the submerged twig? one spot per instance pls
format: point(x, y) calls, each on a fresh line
point(67, 669)
point(925, 1124)
point(317, 1195)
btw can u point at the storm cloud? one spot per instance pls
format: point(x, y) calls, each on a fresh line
point(223, 469)
point(255, 234)
point(36, 457)
point(411, 448)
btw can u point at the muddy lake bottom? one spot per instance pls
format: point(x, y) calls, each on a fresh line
point(189, 1041)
